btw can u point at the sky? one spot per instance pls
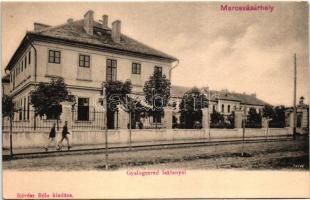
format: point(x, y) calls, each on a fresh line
point(248, 52)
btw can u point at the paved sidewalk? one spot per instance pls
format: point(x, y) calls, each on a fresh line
point(6, 152)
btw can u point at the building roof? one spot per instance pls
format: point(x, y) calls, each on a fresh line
point(73, 32)
point(179, 91)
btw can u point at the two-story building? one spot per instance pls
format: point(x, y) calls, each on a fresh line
point(85, 53)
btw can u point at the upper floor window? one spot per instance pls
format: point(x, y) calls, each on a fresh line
point(29, 57)
point(111, 70)
point(84, 61)
point(22, 66)
point(228, 108)
point(158, 69)
point(25, 61)
point(136, 68)
point(222, 107)
point(54, 56)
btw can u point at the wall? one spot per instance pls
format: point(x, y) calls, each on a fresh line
point(26, 75)
point(68, 68)
point(40, 138)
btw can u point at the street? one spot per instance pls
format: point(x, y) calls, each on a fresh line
point(264, 155)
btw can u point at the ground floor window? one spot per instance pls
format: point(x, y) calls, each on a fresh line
point(83, 109)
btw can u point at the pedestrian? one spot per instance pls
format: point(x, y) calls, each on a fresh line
point(51, 138)
point(65, 133)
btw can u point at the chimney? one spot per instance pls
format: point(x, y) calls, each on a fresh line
point(89, 22)
point(116, 31)
point(39, 26)
point(253, 95)
point(70, 20)
point(105, 21)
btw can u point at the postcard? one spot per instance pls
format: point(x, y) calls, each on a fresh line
point(104, 100)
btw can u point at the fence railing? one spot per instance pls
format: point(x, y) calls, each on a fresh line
point(92, 120)
point(31, 122)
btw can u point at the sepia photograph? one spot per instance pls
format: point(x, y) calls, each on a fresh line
point(153, 91)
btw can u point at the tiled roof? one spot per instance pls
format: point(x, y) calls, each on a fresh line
point(74, 31)
point(179, 91)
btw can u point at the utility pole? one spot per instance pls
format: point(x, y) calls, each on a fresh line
point(11, 130)
point(209, 106)
point(243, 131)
point(130, 121)
point(295, 109)
point(105, 102)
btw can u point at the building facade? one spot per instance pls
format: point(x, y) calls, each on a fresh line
point(85, 53)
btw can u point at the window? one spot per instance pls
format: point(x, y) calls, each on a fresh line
point(214, 109)
point(25, 61)
point(228, 108)
point(20, 111)
point(222, 107)
point(83, 109)
point(28, 107)
point(22, 66)
point(136, 68)
point(111, 70)
point(24, 114)
point(29, 57)
point(54, 56)
point(13, 78)
point(84, 61)
point(158, 69)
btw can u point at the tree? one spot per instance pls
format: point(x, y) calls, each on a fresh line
point(157, 93)
point(254, 119)
point(7, 106)
point(46, 98)
point(116, 93)
point(268, 111)
point(192, 103)
point(278, 120)
point(8, 109)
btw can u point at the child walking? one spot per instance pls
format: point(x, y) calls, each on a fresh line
point(65, 133)
point(51, 138)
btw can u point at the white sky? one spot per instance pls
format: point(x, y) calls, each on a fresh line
point(241, 51)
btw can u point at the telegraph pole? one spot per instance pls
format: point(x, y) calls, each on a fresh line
point(105, 102)
point(295, 109)
point(243, 131)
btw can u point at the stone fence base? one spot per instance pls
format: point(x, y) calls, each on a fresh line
point(121, 136)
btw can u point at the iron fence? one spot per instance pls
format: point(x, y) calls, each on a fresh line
point(88, 120)
point(29, 122)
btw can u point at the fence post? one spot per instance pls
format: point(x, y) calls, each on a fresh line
point(168, 117)
point(66, 114)
point(123, 118)
point(238, 119)
point(205, 118)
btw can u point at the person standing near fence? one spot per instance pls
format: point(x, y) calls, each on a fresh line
point(65, 133)
point(51, 138)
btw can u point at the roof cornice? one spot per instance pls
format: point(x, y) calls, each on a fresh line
point(30, 36)
point(22, 46)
